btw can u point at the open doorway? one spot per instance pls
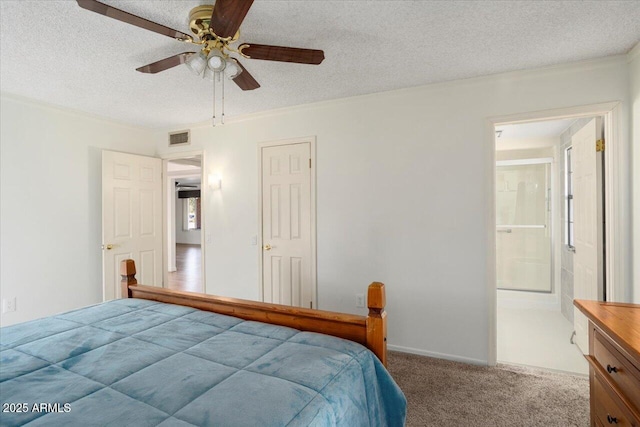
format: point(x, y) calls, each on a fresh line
point(184, 224)
point(536, 230)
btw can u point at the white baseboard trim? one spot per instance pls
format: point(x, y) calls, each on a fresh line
point(437, 355)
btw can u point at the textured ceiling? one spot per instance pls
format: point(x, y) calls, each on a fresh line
point(58, 53)
point(531, 135)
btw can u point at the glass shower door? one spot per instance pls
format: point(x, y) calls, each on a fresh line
point(523, 240)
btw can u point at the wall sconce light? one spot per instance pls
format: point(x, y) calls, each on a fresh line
point(215, 181)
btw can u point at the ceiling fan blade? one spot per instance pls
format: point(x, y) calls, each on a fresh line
point(121, 15)
point(228, 15)
point(282, 53)
point(165, 64)
point(245, 80)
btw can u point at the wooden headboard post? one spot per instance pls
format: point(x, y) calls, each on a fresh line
point(128, 274)
point(370, 331)
point(377, 321)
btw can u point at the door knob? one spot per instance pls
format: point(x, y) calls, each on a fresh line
point(267, 247)
point(107, 247)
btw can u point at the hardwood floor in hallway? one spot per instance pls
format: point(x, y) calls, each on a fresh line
point(188, 276)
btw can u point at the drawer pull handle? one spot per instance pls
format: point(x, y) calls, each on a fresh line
point(611, 369)
point(612, 420)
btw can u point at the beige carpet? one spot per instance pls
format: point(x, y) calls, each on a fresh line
point(441, 392)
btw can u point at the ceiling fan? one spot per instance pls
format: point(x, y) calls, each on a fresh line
point(180, 186)
point(215, 29)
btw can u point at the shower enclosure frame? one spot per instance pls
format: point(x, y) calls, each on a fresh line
point(550, 197)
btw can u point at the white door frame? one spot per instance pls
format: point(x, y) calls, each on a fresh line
point(165, 204)
point(617, 190)
point(312, 148)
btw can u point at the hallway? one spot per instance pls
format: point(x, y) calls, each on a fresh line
point(188, 276)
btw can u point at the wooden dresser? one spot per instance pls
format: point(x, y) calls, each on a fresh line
point(614, 362)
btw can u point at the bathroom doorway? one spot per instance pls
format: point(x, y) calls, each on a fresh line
point(535, 219)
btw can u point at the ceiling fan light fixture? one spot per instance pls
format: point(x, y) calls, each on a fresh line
point(232, 69)
point(226, 16)
point(197, 63)
point(216, 61)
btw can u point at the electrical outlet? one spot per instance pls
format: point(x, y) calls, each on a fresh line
point(360, 300)
point(8, 305)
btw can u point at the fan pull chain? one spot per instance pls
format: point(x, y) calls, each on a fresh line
point(222, 117)
point(213, 119)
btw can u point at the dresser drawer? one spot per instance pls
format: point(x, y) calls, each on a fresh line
point(618, 368)
point(607, 410)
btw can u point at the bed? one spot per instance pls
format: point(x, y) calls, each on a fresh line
point(171, 358)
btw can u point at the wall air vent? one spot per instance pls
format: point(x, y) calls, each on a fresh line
point(182, 137)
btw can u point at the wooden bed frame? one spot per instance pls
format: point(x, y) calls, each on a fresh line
point(370, 331)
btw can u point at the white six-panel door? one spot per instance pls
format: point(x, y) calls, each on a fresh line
point(131, 218)
point(286, 225)
point(587, 261)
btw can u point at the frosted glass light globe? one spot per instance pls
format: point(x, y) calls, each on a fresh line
point(233, 69)
point(196, 63)
point(216, 62)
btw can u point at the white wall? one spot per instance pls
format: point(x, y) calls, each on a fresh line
point(634, 73)
point(523, 144)
point(189, 237)
point(50, 193)
point(531, 153)
point(404, 196)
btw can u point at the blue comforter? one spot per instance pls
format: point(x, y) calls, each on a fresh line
point(133, 362)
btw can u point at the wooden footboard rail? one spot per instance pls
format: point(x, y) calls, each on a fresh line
point(370, 331)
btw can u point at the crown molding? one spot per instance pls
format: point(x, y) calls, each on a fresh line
point(559, 68)
point(634, 53)
point(71, 111)
point(513, 75)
